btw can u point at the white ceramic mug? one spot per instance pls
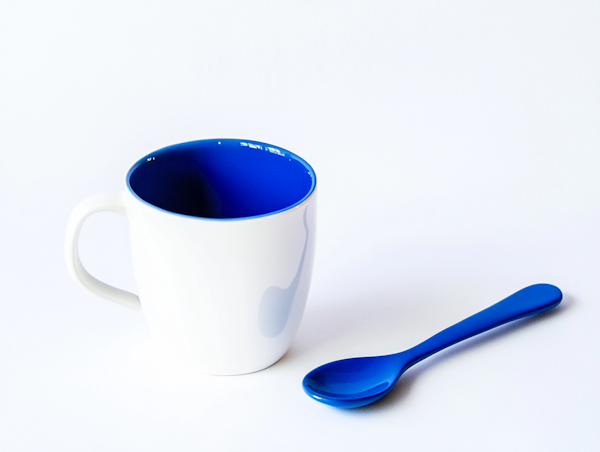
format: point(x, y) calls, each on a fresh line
point(223, 240)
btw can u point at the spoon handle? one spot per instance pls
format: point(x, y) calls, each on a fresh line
point(525, 302)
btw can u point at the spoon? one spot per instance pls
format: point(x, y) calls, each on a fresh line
point(355, 382)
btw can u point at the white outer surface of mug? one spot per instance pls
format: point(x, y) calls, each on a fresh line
point(227, 294)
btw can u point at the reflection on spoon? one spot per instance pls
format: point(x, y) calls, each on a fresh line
point(356, 382)
point(276, 303)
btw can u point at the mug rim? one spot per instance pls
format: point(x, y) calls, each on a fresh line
point(250, 143)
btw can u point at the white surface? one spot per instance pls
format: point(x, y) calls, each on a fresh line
point(457, 149)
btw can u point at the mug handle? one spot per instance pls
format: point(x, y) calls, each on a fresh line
point(110, 201)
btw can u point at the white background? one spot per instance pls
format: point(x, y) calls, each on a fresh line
point(457, 150)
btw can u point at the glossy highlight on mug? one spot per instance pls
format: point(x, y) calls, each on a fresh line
point(276, 303)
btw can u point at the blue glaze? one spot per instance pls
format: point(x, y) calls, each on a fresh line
point(222, 179)
point(356, 382)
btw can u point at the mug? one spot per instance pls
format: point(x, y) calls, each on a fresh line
point(223, 240)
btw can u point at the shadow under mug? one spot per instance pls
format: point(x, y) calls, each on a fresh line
point(223, 238)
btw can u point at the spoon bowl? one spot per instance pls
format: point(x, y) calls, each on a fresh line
point(355, 382)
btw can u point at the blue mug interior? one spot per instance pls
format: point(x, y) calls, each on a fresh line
point(222, 179)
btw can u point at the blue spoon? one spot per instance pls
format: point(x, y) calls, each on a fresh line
point(355, 382)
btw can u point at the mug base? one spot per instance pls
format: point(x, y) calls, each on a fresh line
point(194, 365)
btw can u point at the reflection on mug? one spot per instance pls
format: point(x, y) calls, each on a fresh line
point(276, 303)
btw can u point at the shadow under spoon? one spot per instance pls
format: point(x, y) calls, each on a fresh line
point(355, 382)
